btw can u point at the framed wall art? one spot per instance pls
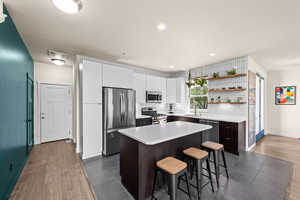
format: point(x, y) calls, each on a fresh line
point(285, 95)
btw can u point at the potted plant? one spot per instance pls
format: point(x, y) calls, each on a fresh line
point(231, 72)
point(216, 75)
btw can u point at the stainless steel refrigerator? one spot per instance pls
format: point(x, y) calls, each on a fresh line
point(118, 113)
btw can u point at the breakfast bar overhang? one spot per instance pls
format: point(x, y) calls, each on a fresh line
point(141, 147)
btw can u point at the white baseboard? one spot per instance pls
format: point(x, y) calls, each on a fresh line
point(250, 148)
point(84, 157)
point(282, 134)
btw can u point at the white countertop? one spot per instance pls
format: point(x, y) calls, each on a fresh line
point(216, 117)
point(142, 116)
point(155, 134)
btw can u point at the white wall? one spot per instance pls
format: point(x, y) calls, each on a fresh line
point(51, 74)
point(256, 68)
point(283, 119)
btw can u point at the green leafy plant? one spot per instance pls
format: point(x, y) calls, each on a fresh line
point(216, 75)
point(190, 82)
point(200, 81)
point(231, 72)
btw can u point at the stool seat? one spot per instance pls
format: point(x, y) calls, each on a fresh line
point(213, 145)
point(195, 153)
point(171, 165)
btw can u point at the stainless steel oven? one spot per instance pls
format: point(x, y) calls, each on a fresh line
point(153, 96)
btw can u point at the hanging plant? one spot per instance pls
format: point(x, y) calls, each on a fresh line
point(190, 81)
point(200, 81)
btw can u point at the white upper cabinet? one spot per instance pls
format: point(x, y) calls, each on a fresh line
point(176, 90)
point(180, 90)
point(156, 83)
point(114, 76)
point(139, 84)
point(153, 83)
point(171, 90)
point(91, 82)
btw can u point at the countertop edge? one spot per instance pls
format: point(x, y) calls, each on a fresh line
point(164, 140)
point(206, 118)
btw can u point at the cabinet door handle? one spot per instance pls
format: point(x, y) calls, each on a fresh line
point(227, 138)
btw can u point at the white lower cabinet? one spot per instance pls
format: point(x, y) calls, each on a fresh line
point(92, 130)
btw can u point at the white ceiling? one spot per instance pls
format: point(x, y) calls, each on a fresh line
point(269, 30)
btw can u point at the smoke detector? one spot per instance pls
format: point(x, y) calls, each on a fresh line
point(57, 58)
point(2, 15)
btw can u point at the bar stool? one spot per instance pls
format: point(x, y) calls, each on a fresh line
point(216, 148)
point(174, 168)
point(198, 156)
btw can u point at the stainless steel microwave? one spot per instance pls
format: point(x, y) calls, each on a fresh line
point(153, 96)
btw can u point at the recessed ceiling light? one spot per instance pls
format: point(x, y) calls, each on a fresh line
point(172, 66)
point(68, 6)
point(58, 61)
point(161, 27)
point(212, 54)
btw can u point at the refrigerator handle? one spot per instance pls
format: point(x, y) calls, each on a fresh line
point(122, 107)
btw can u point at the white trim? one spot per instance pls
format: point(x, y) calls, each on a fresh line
point(250, 148)
point(282, 134)
point(84, 157)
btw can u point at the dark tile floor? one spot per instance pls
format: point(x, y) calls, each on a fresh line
point(252, 177)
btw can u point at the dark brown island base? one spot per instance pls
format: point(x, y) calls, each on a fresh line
point(229, 133)
point(141, 147)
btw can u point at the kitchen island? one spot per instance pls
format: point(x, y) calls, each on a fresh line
point(141, 147)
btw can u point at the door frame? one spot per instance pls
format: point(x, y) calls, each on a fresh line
point(28, 78)
point(39, 105)
point(261, 93)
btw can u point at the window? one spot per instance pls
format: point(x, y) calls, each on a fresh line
point(199, 97)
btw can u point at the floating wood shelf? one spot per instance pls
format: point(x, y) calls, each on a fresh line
point(227, 90)
point(229, 76)
point(227, 103)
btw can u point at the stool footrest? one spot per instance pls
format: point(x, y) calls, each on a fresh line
point(213, 172)
point(194, 186)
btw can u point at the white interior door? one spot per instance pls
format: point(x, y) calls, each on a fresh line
point(56, 112)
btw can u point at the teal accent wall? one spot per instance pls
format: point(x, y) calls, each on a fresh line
point(15, 62)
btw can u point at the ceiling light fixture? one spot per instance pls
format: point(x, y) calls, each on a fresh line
point(58, 58)
point(171, 66)
point(161, 27)
point(68, 6)
point(212, 54)
point(58, 61)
